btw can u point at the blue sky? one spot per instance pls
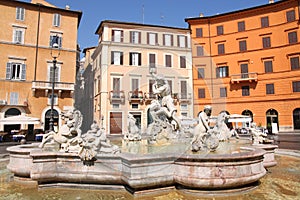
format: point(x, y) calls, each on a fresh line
point(157, 12)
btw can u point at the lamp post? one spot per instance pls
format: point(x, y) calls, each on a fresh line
point(54, 61)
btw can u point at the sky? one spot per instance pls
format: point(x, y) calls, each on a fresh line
point(155, 12)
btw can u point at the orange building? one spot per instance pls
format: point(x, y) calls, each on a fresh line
point(28, 31)
point(247, 62)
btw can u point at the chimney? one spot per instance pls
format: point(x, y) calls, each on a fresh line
point(67, 7)
point(271, 1)
point(201, 15)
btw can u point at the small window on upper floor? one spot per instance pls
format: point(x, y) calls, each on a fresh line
point(270, 88)
point(182, 62)
point(117, 58)
point(220, 30)
point(15, 71)
point(223, 92)
point(168, 40)
point(135, 37)
point(200, 51)
point(117, 35)
point(243, 45)
point(20, 13)
point(293, 37)
point(221, 49)
point(222, 71)
point(135, 59)
point(241, 26)
point(201, 93)
point(168, 60)
point(264, 21)
point(268, 66)
point(18, 35)
point(152, 38)
point(181, 41)
point(245, 91)
point(56, 19)
point(55, 39)
point(199, 32)
point(266, 42)
point(294, 61)
point(290, 16)
point(200, 72)
point(296, 86)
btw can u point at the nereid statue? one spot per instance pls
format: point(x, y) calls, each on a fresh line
point(134, 133)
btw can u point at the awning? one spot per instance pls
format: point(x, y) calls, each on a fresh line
point(239, 118)
point(20, 119)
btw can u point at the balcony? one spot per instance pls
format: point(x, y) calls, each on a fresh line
point(135, 96)
point(149, 96)
point(244, 77)
point(184, 97)
point(14, 102)
point(47, 86)
point(116, 96)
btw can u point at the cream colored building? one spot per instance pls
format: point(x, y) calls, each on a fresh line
point(122, 82)
point(28, 31)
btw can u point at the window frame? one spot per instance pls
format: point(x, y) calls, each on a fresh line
point(168, 57)
point(200, 72)
point(201, 93)
point(243, 45)
point(223, 92)
point(241, 26)
point(264, 21)
point(182, 62)
point(270, 88)
point(149, 38)
point(18, 35)
point(182, 41)
point(200, 51)
point(245, 90)
point(222, 71)
point(132, 60)
point(166, 42)
point(56, 20)
point(14, 69)
point(117, 37)
point(20, 13)
point(296, 86)
point(266, 42)
point(290, 15)
point(294, 64)
point(199, 32)
point(268, 65)
point(221, 49)
point(292, 37)
point(220, 30)
point(58, 40)
point(117, 59)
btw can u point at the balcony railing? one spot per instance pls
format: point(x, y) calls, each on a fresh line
point(184, 97)
point(14, 102)
point(149, 96)
point(244, 77)
point(134, 96)
point(116, 96)
point(46, 85)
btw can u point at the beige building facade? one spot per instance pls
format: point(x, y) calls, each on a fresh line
point(121, 69)
point(28, 32)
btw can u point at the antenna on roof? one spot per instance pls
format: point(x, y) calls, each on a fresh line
point(143, 13)
point(162, 18)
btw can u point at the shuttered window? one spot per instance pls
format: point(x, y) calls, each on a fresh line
point(15, 71)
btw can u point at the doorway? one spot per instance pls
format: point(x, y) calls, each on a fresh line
point(296, 118)
point(116, 122)
point(272, 121)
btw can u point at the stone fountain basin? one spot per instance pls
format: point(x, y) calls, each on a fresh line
point(138, 171)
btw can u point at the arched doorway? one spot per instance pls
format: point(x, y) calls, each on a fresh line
point(9, 127)
point(229, 124)
point(272, 121)
point(296, 118)
point(248, 113)
point(47, 120)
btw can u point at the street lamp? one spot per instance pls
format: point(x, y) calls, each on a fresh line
point(55, 51)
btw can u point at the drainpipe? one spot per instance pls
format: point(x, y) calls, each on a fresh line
point(211, 63)
point(37, 42)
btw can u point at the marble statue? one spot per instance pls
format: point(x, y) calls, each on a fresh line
point(204, 137)
point(133, 133)
point(222, 130)
point(95, 141)
point(69, 135)
point(258, 136)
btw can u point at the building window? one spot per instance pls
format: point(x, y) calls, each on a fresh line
point(183, 106)
point(135, 37)
point(223, 92)
point(117, 58)
point(115, 105)
point(222, 71)
point(135, 106)
point(221, 49)
point(245, 91)
point(182, 62)
point(14, 98)
point(168, 40)
point(264, 21)
point(220, 30)
point(117, 35)
point(292, 37)
point(152, 38)
point(200, 73)
point(243, 45)
point(135, 87)
point(199, 32)
point(50, 73)
point(183, 89)
point(20, 13)
point(15, 71)
point(18, 35)
point(270, 88)
point(181, 41)
point(268, 66)
point(294, 63)
point(241, 26)
point(135, 59)
point(152, 60)
point(266, 42)
point(200, 51)
point(290, 16)
point(201, 93)
point(56, 20)
point(296, 86)
point(168, 60)
point(55, 39)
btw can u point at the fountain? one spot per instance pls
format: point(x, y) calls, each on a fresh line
point(165, 157)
